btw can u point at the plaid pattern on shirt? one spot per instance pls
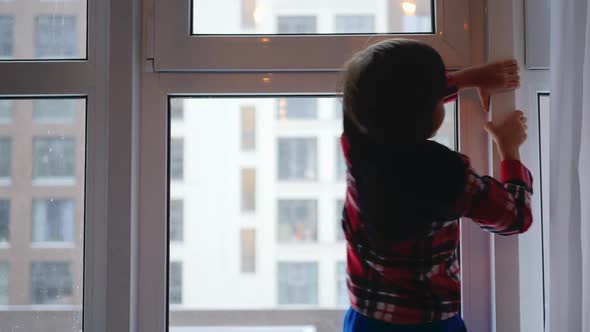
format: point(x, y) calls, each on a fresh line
point(416, 281)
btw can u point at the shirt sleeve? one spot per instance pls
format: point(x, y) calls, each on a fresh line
point(452, 92)
point(502, 207)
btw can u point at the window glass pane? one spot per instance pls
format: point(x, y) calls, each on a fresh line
point(248, 252)
point(54, 158)
point(341, 287)
point(355, 23)
point(4, 283)
point(43, 30)
point(4, 220)
point(297, 221)
point(248, 190)
point(52, 283)
point(297, 159)
point(446, 135)
point(6, 157)
point(5, 111)
point(42, 219)
point(54, 110)
point(298, 283)
point(53, 220)
point(176, 220)
point(310, 17)
point(176, 108)
point(248, 128)
point(296, 216)
point(297, 108)
point(6, 36)
point(340, 162)
point(177, 158)
point(175, 290)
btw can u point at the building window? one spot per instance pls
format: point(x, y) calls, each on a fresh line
point(339, 216)
point(176, 220)
point(338, 109)
point(248, 128)
point(5, 110)
point(51, 283)
point(297, 24)
point(340, 162)
point(298, 283)
point(4, 220)
point(53, 110)
point(297, 108)
point(342, 288)
point(6, 157)
point(177, 159)
point(248, 252)
point(175, 283)
point(6, 37)
point(53, 220)
point(297, 221)
point(53, 157)
point(297, 159)
point(55, 37)
point(248, 14)
point(176, 108)
point(355, 24)
point(248, 190)
point(4, 277)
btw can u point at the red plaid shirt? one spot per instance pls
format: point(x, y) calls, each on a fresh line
point(417, 280)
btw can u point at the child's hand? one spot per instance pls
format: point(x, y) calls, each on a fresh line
point(489, 77)
point(509, 135)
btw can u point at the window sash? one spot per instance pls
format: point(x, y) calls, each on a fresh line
point(172, 26)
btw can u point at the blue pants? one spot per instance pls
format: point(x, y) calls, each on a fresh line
point(355, 322)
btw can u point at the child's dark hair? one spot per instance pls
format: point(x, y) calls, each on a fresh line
point(404, 181)
point(391, 90)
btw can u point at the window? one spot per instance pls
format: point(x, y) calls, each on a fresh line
point(176, 220)
point(250, 17)
point(296, 24)
point(447, 132)
point(339, 213)
point(56, 37)
point(4, 287)
point(6, 160)
point(297, 221)
point(5, 111)
point(177, 159)
point(54, 110)
point(53, 220)
point(297, 108)
point(341, 167)
point(4, 220)
point(51, 283)
point(341, 287)
point(248, 14)
point(355, 24)
point(6, 37)
point(44, 30)
point(54, 158)
point(176, 109)
point(338, 109)
point(297, 159)
point(248, 252)
point(248, 128)
point(175, 283)
point(42, 213)
point(298, 283)
point(248, 190)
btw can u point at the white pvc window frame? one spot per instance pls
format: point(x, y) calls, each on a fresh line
point(174, 48)
point(106, 80)
point(178, 64)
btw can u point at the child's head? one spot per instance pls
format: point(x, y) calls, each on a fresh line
point(393, 92)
